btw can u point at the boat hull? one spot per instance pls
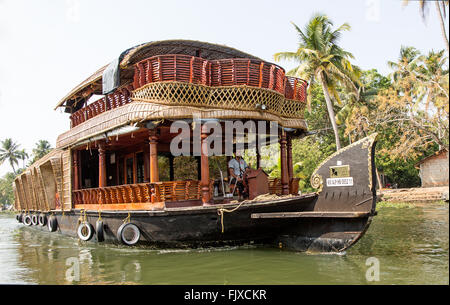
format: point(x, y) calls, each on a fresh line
point(329, 220)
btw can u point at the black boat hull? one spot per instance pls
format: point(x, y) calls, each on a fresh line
point(330, 220)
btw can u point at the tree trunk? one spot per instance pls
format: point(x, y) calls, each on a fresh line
point(441, 20)
point(330, 111)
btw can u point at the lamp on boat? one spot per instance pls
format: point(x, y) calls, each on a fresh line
point(261, 106)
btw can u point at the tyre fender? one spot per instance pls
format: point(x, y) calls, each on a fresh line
point(127, 227)
point(52, 223)
point(99, 230)
point(27, 220)
point(34, 219)
point(85, 231)
point(42, 220)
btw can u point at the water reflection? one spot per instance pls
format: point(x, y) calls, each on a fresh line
point(410, 244)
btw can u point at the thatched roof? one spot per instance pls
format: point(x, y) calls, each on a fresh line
point(93, 84)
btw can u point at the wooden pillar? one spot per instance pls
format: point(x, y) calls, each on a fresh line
point(284, 167)
point(76, 172)
point(101, 165)
point(290, 166)
point(206, 195)
point(171, 172)
point(154, 172)
point(258, 158)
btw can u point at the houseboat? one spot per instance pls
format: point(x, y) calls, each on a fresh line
point(152, 134)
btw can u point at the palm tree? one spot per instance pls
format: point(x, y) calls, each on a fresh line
point(9, 151)
point(322, 60)
point(23, 155)
point(407, 62)
point(42, 148)
point(441, 10)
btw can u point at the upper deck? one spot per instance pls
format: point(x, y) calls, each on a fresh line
point(186, 75)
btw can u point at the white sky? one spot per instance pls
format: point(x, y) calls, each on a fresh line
point(47, 47)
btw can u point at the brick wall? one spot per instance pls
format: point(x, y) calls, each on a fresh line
point(434, 170)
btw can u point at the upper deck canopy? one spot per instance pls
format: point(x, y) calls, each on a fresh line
point(93, 84)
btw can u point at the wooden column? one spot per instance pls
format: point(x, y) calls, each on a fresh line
point(258, 158)
point(101, 165)
point(290, 166)
point(284, 167)
point(76, 172)
point(206, 196)
point(154, 172)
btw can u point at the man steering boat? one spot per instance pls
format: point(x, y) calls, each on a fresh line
point(236, 168)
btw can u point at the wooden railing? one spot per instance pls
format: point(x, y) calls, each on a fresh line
point(275, 186)
point(140, 193)
point(119, 98)
point(224, 72)
point(195, 70)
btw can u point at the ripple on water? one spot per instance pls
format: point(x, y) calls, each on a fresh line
point(410, 244)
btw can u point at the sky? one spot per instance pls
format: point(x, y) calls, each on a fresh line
point(47, 47)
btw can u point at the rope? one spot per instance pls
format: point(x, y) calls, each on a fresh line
point(83, 217)
point(222, 210)
point(127, 219)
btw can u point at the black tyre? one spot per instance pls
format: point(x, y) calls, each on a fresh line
point(99, 230)
point(129, 234)
point(27, 220)
point(52, 223)
point(85, 231)
point(34, 220)
point(42, 219)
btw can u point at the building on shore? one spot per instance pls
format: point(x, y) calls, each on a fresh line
point(434, 169)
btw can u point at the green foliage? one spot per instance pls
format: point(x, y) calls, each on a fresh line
point(398, 171)
point(323, 61)
point(42, 147)
point(307, 154)
point(9, 151)
point(395, 205)
point(6, 189)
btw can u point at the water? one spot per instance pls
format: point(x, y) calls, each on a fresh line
point(410, 245)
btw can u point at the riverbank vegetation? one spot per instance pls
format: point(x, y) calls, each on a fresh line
point(18, 159)
point(408, 108)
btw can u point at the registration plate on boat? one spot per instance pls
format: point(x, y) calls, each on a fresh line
point(344, 181)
